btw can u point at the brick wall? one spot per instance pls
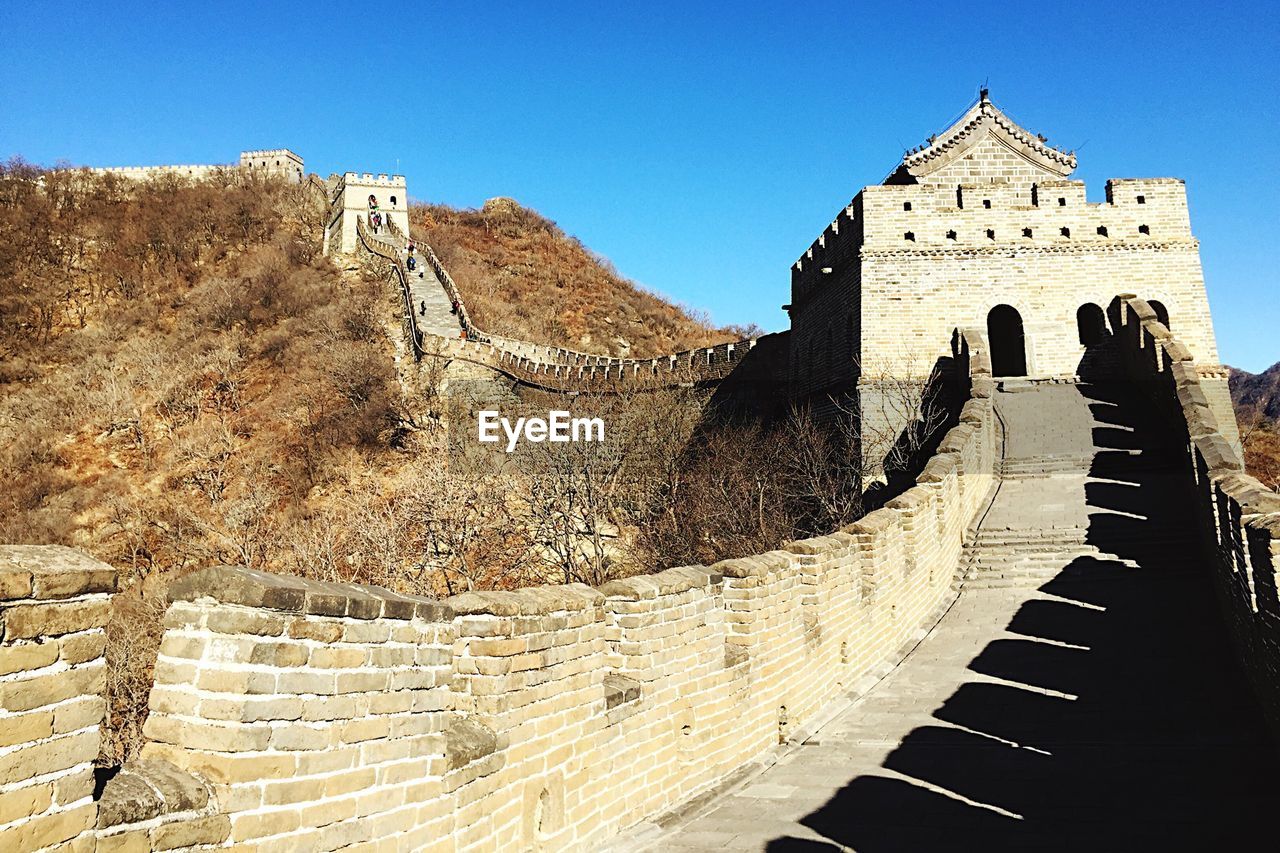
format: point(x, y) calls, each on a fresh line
point(291, 714)
point(53, 605)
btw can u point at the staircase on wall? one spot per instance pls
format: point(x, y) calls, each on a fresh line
point(1084, 493)
point(432, 307)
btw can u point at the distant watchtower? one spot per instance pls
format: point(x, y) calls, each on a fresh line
point(981, 227)
point(274, 161)
point(391, 197)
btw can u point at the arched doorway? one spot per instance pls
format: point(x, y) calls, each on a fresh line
point(1007, 342)
point(1091, 323)
point(1162, 313)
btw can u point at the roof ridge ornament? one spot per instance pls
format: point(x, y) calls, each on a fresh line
point(982, 120)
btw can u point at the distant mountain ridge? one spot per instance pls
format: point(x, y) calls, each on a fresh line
point(1259, 391)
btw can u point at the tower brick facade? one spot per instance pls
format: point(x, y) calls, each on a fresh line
point(986, 215)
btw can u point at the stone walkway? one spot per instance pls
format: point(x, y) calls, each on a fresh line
point(431, 305)
point(437, 317)
point(1090, 704)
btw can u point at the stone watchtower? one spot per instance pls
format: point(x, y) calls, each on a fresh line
point(274, 161)
point(390, 194)
point(982, 227)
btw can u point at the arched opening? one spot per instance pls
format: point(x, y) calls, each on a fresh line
point(1007, 342)
point(393, 201)
point(1091, 324)
point(1162, 313)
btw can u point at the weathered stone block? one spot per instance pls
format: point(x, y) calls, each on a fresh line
point(14, 583)
point(238, 585)
point(83, 647)
point(619, 689)
point(229, 620)
point(53, 571)
point(24, 802)
point(49, 830)
point(26, 656)
point(188, 833)
point(48, 757)
point(40, 690)
point(315, 629)
point(127, 798)
point(26, 621)
point(467, 740)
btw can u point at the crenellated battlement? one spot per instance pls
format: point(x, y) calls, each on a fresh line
point(273, 161)
point(913, 217)
point(368, 179)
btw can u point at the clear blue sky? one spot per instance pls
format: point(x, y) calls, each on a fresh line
point(700, 147)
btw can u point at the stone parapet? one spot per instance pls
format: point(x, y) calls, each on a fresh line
point(54, 604)
point(1239, 517)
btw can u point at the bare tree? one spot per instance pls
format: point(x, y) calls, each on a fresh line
point(901, 411)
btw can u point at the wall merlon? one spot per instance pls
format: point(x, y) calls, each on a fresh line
point(368, 179)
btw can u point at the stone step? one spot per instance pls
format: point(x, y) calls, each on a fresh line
point(1042, 572)
point(997, 560)
point(1014, 538)
point(1047, 463)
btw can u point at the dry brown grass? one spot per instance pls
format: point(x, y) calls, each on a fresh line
point(1262, 452)
point(183, 382)
point(522, 277)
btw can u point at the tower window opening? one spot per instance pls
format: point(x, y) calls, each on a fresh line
point(1142, 199)
point(1102, 230)
point(393, 201)
point(1066, 232)
point(951, 235)
point(910, 235)
point(1026, 232)
point(991, 233)
point(906, 205)
point(986, 202)
point(1062, 202)
point(1143, 229)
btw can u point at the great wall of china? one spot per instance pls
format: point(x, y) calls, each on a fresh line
point(294, 715)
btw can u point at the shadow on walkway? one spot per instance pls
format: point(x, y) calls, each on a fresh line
point(1147, 739)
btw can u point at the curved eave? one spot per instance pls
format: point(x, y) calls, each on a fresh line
point(980, 123)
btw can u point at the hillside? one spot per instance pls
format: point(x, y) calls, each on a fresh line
point(523, 277)
point(1257, 400)
point(185, 381)
point(1257, 391)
